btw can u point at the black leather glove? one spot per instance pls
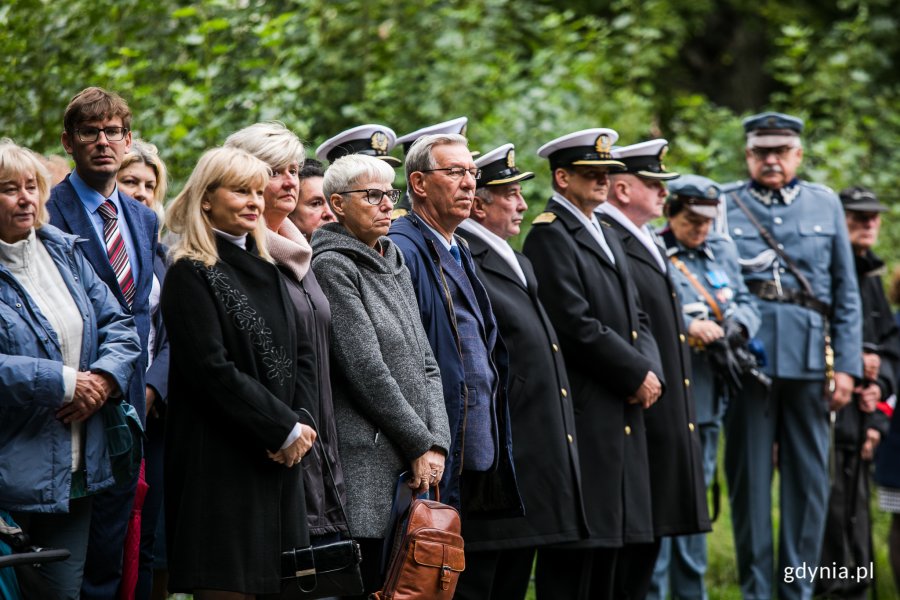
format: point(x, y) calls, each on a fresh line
point(734, 333)
point(725, 363)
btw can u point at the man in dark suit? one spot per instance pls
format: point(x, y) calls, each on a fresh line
point(612, 360)
point(120, 237)
point(502, 552)
point(457, 316)
point(636, 196)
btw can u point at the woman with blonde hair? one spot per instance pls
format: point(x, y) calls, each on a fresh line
point(67, 351)
point(234, 494)
point(277, 146)
point(142, 176)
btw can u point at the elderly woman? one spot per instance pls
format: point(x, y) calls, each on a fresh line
point(278, 147)
point(233, 489)
point(143, 177)
point(387, 389)
point(716, 303)
point(66, 352)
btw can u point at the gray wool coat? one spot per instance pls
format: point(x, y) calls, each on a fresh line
point(386, 385)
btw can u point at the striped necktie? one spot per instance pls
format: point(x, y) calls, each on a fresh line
point(115, 248)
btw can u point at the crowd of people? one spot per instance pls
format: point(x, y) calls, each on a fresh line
point(190, 388)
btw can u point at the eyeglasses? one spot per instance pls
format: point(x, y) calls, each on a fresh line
point(375, 196)
point(457, 172)
point(763, 153)
point(90, 134)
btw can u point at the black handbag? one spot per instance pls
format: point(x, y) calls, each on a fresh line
point(322, 571)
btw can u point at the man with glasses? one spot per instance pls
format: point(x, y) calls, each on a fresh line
point(120, 237)
point(796, 257)
point(860, 426)
point(457, 125)
point(456, 312)
point(614, 368)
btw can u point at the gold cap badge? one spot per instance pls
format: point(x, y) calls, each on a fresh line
point(379, 142)
point(603, 145)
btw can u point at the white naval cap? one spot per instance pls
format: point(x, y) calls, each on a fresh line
point(498, 167)
point(645, 159)
point(372, 140)
point(585, 147)
point(457, 125)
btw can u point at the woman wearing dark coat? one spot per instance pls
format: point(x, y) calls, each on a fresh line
point(278, 147)
point(233, 489)
point(388, 395)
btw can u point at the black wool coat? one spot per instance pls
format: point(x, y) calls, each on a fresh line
point(608, 350)
point(673, 439)
point(543, 422)
point(230, 509)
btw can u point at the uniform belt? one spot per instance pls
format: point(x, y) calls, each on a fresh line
point(768, 290)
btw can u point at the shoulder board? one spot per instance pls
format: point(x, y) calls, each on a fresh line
point(397, 213)
point(730, 187)
point(545, 217)
point(605, 223)
point(817, 186)
point(461, 240)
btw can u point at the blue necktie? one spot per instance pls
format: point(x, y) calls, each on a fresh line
point(454, 250)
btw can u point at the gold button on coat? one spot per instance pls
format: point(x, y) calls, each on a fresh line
point(627, 430)
point(691, 426)
point(564, 392)
point(634, 335)
point(681, 337)
point(687, 383)
point(555, 348)
point(570, 438)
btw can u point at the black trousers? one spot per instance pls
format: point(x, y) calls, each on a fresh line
point(598, 574)
point(847, 527)
point(496, 575)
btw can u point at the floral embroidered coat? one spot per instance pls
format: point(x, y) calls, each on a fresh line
point(230, 510)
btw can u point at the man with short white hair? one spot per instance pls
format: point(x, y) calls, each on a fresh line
point(503, 551)
point(636, 197)
point(456, 312)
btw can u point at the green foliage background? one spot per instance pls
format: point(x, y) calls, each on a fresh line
point(523, 71)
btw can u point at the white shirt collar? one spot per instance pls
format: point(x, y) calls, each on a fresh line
point(497, 244)
point(238, 240)
point(592, 224)
point(440, 237)
point(643, 234)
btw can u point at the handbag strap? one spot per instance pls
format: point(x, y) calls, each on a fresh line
point(770, 240)
point(327, 463)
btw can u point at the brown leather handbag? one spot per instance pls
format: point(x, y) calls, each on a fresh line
point(427, 556)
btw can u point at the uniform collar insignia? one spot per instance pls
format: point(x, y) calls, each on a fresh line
point(767, 196)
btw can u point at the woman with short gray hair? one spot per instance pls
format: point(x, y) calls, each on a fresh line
point(387, 389)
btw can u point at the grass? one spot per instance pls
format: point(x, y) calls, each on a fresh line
point(721, 576)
